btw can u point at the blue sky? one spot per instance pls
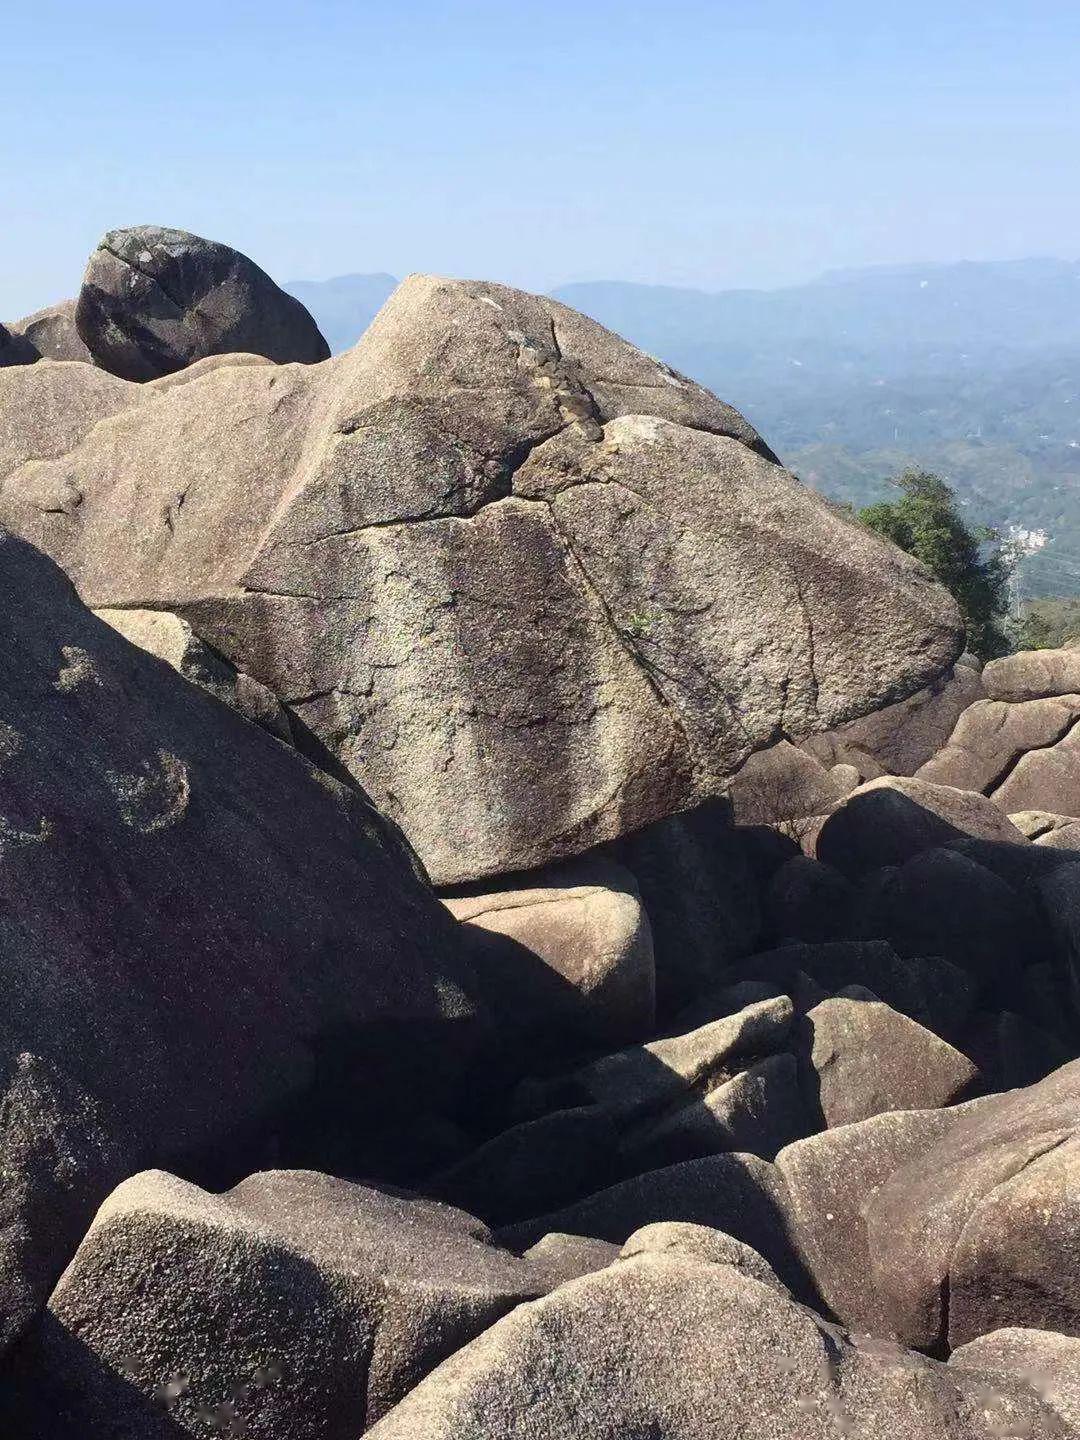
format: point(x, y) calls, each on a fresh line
point(710, 144)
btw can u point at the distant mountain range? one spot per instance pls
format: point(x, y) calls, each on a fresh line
point(970, 369)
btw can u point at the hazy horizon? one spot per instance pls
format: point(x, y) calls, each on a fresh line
point(704, 146)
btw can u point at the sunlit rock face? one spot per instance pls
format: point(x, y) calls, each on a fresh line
point(529, 586)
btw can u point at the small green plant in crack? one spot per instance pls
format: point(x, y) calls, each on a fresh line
point(641, 624)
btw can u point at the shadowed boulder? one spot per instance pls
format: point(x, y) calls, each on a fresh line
point(293, 1301)
point(197, 930)
point(741, 1195)
point(584, 922)
point(897, 739)
point(887, 821)
point(48, 334)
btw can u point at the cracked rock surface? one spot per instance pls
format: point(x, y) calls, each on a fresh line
point(529, 586)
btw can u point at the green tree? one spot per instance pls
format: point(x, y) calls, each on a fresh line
point(925, 522)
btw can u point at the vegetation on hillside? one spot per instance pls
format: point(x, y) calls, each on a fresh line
point(1050, 623)
point(925, 522)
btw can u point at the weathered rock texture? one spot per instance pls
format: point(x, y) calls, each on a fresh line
point(48, 408)
point(196, 928)
point(1048, 1362)
point(294, 1302)
point(1033, 674)
point(535, 589)
point(867, 1058)
point(154, 300)
point(935, 1227)
point(982, 1229)
point(672, 1348)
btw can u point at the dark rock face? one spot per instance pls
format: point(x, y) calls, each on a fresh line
point(932, 991)
point(15, 349)
point(946, 903)
point(196, 929)
point(740, 1194)
point(808, 901)
point(698, 889)
point(1060, 891)
point(534, 1166)
point(155, 300)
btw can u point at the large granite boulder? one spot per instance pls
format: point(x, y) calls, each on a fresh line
point(293, 1303)
point(197, 931)
point(866, 1058)
point(1045, 779)
point(831, 1181)
point(535, 589)
point(981, 1230)
point(153, 300)
point(937, 1226)
point(676, 1348)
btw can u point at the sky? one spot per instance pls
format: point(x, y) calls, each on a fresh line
point(686, 142)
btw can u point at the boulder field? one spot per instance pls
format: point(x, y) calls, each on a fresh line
point(515, 921)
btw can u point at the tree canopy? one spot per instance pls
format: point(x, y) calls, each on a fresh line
point(925, 522)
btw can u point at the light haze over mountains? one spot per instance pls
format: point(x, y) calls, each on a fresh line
point(972, 369)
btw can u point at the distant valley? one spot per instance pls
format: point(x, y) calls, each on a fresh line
point(971, 369)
